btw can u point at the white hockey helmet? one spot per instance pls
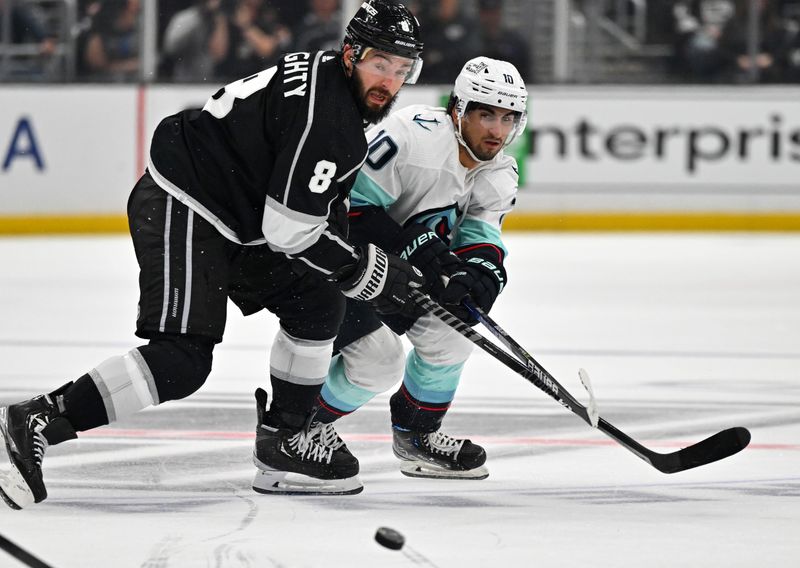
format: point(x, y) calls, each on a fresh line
point(491, 82)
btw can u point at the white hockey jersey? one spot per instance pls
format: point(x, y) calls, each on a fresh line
point(414, 173)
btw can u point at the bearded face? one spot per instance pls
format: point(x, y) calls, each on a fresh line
point(374, 101)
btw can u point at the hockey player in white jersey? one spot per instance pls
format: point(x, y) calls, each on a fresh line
point(434, 190)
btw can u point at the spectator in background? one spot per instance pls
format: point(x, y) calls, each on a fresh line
point(321, 28)
point(194, 41)
point(699, 25)
point(111, 51)
point(450, 37)
point(659, 22)
point(26, 26)
point(768, 64)
point(290, 12)
point(791, 13)
point(501, 42)
point(253, 40)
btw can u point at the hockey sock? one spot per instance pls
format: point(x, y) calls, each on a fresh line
point(410, 413)
point(177, 365)
point(292, 403)
point(81, 404)
point(327, 413)
point(339, 396)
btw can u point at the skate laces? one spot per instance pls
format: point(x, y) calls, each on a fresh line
point(327, 435)
point(36, 424)
point(308, 449)
point(443, 444)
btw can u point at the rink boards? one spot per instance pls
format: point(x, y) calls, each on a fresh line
point(592, 158)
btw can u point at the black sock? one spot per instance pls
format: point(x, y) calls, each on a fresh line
point(80, 403)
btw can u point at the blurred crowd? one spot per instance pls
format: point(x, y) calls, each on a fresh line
point(227, 39)
point(220, 40)
point(710, 39)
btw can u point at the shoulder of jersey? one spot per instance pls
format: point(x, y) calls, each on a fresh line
point(424, 117)
point(502, 172)
point(506, 163)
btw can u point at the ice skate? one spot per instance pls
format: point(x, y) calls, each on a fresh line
point(437, 455)
point(26, 430)
point(297, 462)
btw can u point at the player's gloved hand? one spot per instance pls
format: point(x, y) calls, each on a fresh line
point(385, 281)
point(479, 279)
point(421, 247)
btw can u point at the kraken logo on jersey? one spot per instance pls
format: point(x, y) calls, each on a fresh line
point(423, 121)
point(441, 221)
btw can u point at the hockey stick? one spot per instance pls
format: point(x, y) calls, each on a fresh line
point(21, 554)
point(719, 446)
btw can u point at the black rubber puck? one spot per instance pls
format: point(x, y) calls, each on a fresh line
point(389, 538)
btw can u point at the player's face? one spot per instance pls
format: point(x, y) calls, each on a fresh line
point(376, 80)
point(486, 129)
point(386, 70)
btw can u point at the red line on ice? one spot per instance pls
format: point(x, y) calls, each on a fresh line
point(386, 438)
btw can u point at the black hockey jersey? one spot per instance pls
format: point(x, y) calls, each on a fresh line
point(270, 158)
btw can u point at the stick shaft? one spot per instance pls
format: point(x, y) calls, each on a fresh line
point(716, 447)
point(21, 554)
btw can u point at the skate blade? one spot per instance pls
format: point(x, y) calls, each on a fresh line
point(290, 483)
point(13, 489)
point(428, 471)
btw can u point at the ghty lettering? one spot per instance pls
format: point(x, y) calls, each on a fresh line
point(296, 69)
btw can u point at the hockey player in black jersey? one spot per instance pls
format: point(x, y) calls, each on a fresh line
point(245, 199)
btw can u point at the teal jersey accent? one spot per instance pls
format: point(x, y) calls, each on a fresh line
point(366, 192)
point(340, 392)
point(472, 231)
point(431, 383)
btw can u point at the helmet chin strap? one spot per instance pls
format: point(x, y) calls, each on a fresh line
point(463, 142)
point(472, 155)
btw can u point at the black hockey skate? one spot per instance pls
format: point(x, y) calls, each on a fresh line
point(437, 455)
point(297, 462)
point(26, 429)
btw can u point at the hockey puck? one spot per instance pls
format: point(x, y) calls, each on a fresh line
point(389, 538)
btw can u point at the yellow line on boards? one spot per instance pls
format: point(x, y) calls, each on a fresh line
point(684, 221)
point(63, 225)
point(567, 221)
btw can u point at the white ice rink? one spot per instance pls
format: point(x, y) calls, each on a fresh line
point(683, 335)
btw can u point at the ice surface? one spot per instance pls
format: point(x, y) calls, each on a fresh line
point(682, 335)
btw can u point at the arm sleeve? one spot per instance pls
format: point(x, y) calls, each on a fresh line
point(479, 233)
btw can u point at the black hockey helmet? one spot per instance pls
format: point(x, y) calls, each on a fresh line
point(388, 26)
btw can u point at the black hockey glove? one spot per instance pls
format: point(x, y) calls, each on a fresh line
point(421, 247)
point(385, 281)
point(479, 279)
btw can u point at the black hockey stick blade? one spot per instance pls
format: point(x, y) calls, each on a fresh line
point(21, 554)
point(714, 448)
